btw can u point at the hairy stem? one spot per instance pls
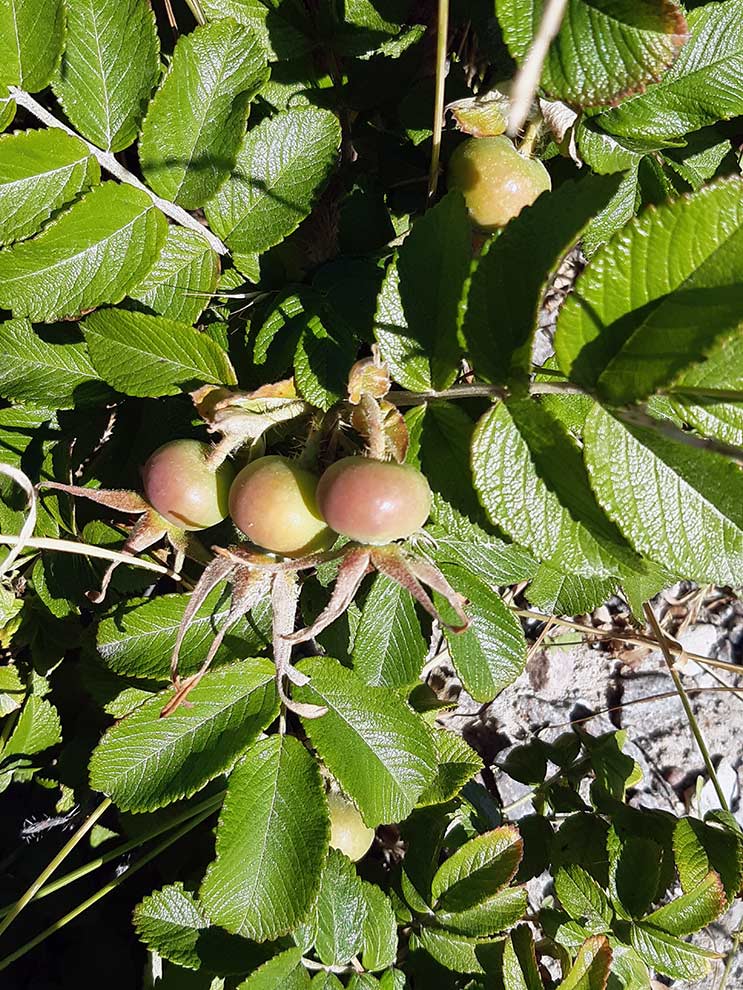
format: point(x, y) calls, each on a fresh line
point(63, 853)
point(442, 36)
point(107, 161)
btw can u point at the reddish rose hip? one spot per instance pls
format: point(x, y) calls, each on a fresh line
point(272, 501)
point(181, 485)
point(372, 501)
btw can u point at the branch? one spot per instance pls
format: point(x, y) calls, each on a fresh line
point(638, 417)
point(482, 391)
point(107, 161)
point(527, 80)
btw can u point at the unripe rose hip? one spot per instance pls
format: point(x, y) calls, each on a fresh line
point(347, 829)
point(497, 181)
point(272, 500)
point(372, 501)
point(181, 485)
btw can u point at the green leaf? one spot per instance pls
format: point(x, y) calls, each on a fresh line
point(38, 728)
point(699, 89)
point(389, 648)
point(604, 50)
point(533, 484)
point(460, 541)
point(433, 264)
point(339, 911)
point(700, 157)
point(145, 762)
point(380, 751)
point(509, 280)
point(699, 847)
point(618, 211)
point(491, 654)
point(669, 955)
point(137, 639)
point(283, 972)
point(321, 362)
point(180, 283)
point(280, 170)
point(496, 914)
point(326, 981)
point(379, 930)
point(460, 953)
point(89, 255)
point(109, 68)
point(560, 593)
point(31, 40)
point(12, 691)
point(446, 426)
point(591, 968)
point(172, 923)
point(678, 266)
point(642, 478)
point(35, 370)
point(634, 873)
point(520, 971)
point(406, 359)
point(40, 171)
point(478, 869)
point(721, 369)
point(279, 32)
point(272, 839)
point(456, 764)
point(693, 910)
point(147, 355)
point(582, 898)
point(196, 120)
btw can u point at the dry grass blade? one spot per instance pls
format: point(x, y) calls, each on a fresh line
point(24, 482)
point(527, 81)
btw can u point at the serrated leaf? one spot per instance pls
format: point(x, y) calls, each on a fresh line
point(145, 762)
point(196, 120)
point(137, 639)
point(678, 266)
point(491, 653)
point(591, 968)
point(403, 353)
point(496, 914)
point(321, 361)
point(520, 971)
point(146, 355)
point(700, 88)
point(693, 910)
point(446, 426)
point(339, 911)
point(89, 255)
point(379, 930)
point(669, 955)
point(582, 898)
point(31, 40)
point(326, 981)
point(604, 50)
point(272, 839)
point(634, 873)
point(40, 171)
point(560, 593)
point(508, 282)
point(460, 953)
point(533, 484)
point(12, 691)
point(642, 479)
point(281, 167)
point(379, 750)
point(180, 283)
point(721, 369)
point(478, 869)
point(460, 541)
point(389, 648)
point(40, 371)
point(283, 972)
point(277, 25)
point(699, 847)
point(456, 764)
point(38, 728)
point(109, 68)
point(433, 264)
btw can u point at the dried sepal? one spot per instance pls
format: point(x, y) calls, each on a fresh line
point(284, 599)
point(429, 574)
point(383, 427)
point(369, 375)
point(148, 530)
point(353, 569)
point(218, 570)
point(121, 500)
point(485, 115)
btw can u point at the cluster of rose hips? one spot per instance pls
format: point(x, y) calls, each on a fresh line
point(282, 507)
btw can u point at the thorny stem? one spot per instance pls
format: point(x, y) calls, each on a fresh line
point(107, 161)
point(106, 889)
point(693, 724)
point(89, 550)
point(481, 391)
point(442, 35)
point(211, 804)
point(63, 853)
point(527, 80)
